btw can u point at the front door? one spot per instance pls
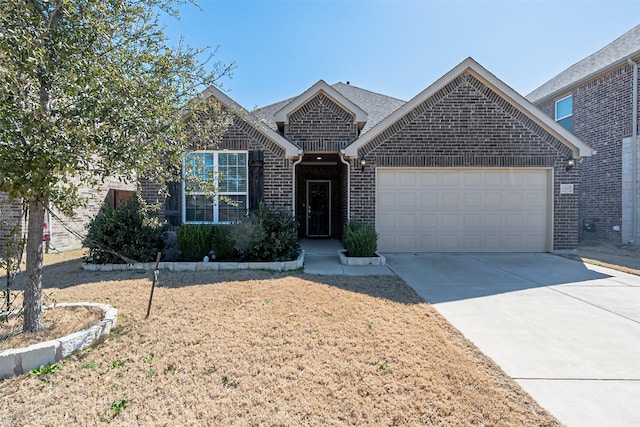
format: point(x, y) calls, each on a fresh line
point(318, 208)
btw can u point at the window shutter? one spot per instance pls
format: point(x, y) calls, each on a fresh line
point(256, 179)
point(172, 203)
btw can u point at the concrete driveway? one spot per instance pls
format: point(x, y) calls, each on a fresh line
point(567, 332)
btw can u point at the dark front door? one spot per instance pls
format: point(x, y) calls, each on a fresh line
point(318, 208)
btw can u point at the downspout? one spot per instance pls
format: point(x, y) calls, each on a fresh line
point(634, 152)
point(346, 162)
point(293, 182)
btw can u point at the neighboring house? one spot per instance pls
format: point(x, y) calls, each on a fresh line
point(597, 100)
point(468, 164)
point(65, 231)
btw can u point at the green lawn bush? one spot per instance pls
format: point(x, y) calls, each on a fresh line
point(223, 245)
point(128, 233)
point(360, 239)
point(266, 235)
point(195, 241)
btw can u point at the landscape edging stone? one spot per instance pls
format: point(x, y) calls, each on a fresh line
point(18, 361)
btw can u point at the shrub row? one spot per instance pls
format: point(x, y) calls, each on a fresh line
point(132, 232)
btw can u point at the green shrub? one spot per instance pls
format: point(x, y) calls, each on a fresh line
point(222, 243)
point(360, 240)
point(266, 235)
point(195, 241)
point(127, 233)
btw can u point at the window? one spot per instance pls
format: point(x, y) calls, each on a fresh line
point(564, 112)
point(228, 170)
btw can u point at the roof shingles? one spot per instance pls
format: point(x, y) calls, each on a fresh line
point(625, 46)
point(376, 105)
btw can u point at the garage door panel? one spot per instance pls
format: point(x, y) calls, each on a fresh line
point(449, 179)
point(387, 221)
point(493, 179)
point(449, 200)
point(472, 210)
point(428, 198)
point(492, 199)
point(407, 200)
point(449, 220)
point(472, 179)
point(408, 220)
point(472, 200)
point(387, 180)
point(513, 200)
point(386, 199)
point(428, 221)
point(472, 220)
point(492, 220)
point(408, 179)
point(407, 242)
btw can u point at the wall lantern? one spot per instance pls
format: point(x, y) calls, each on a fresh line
point(571, 162)
point(363, 163)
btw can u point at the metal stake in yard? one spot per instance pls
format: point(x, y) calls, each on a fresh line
point(153, 285)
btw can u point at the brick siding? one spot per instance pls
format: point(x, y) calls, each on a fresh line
point(602, 119)
point(10, 216)
point(466, 124)
point(321, 125)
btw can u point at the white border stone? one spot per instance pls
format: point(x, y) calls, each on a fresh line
point(21, 360)
point(350, 260)
point(206, 266)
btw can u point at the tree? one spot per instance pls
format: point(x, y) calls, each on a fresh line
point(90, 89)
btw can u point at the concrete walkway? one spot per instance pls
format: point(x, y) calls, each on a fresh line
point(568, 333)
point(321, 257)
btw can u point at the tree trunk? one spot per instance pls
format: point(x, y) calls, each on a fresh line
point(33, 286)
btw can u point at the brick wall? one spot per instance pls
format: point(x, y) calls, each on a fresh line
point(602, 119)
point(321, 125)
point(10, 216)
point(466, 124)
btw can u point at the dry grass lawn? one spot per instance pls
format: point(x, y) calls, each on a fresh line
point(259, 348)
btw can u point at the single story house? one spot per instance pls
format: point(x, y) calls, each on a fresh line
point(467, 165)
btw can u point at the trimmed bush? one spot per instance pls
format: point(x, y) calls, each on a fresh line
point(195, 241)
point(360, 240)
point(267, 235)
point(125, 234)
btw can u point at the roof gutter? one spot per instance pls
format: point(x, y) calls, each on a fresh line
point(634, 152)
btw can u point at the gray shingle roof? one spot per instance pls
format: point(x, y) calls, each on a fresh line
point(376, 105)
point(616, 52)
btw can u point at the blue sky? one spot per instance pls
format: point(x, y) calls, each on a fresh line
point(397, 48)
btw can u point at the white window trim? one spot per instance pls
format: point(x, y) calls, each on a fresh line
point(216, 204)
point(556, 110)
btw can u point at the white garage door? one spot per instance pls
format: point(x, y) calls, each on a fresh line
point(463, 210)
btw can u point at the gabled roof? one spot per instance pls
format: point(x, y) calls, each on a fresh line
point(469, 65)
point(376, 105)
point(611, 56)
point(282, 115)
point(291, 150)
